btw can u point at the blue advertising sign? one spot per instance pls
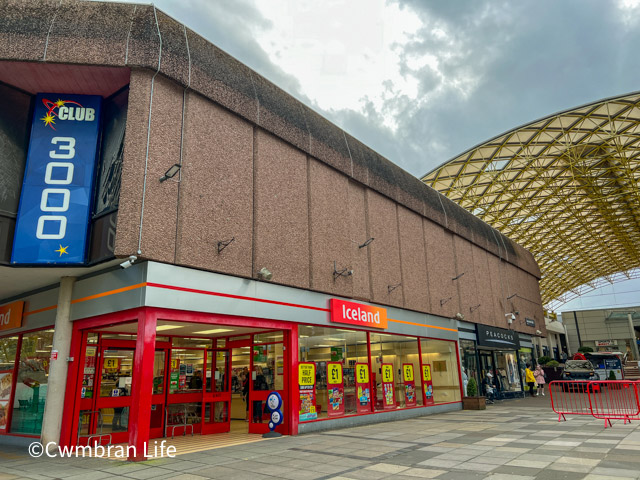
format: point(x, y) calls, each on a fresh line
point(55, 203)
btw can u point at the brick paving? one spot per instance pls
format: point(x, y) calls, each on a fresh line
point(513, 439)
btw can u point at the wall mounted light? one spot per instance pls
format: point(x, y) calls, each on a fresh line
point(175, 168)
point(366, 244)
point(265, 274)
point(222, 244)
point(391, 288)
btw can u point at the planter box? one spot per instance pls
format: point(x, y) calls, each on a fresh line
point(474, 403)
point(552, 373)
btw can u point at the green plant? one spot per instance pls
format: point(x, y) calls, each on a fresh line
point(585, 349)
point(552, 363)
point(544, 360)
point(612, 375)
point(472, 388)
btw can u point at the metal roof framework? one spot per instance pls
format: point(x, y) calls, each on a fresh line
point(566, 187)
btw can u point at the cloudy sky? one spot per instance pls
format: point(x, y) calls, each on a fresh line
point(421, 81)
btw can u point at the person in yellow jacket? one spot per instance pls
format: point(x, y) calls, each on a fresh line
point(530, 379)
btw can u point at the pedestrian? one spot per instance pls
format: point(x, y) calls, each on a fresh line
point(564, 355)
point(245, 391)
point(530, 379)
point(487, 385)
point(465, 381)
point(539, 375)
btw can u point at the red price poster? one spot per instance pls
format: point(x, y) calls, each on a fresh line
point(427, 385)
point(335, 389)
point(409, 385)
point(307, 388)
point(388, 393)
point(363, 388)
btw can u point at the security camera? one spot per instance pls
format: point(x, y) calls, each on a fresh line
point(538, 332)
point(510, 317)
point(129, 262)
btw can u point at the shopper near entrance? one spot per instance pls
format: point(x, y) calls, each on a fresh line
point(245, 391)
point(539, 375)
point(488, 387)
point(530, 379)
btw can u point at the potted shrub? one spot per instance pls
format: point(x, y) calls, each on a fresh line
point(552, 371)
point(544, 360)
point(473, 401)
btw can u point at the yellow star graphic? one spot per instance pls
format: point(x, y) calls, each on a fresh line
point(62, 250)
point(59, 103)
point(48, 119)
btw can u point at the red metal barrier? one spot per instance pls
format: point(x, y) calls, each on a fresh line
point(607, 400)
point(570, 397)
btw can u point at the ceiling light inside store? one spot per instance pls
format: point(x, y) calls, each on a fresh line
point(323, 346)
point(216, 330)
point(167, 327)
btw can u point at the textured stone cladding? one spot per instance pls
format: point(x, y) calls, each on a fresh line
point(290, 190)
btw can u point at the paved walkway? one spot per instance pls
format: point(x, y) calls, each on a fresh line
point(514, 439)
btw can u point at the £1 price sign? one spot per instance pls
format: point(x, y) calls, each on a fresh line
point(388, 391)
point(363, 388)
point(427, 384)
point(409, 385)
point(335, 389)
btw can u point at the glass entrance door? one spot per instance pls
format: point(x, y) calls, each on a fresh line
point(217, 396)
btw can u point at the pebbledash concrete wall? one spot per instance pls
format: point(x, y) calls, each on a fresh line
point(297, 194)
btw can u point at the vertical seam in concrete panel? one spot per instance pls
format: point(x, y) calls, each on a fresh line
point(309, 223)
point(426, 263)
point(255, 92)
point(254, 215)
point(500, 267)
point(126, 52)
point(446, 220)
point(348, 150)
point(46, 43)
point(402, 286)
point(455, 266)
point(368, 235)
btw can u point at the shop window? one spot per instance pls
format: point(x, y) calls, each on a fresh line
point(31, 384)
point(216, 373)
point(441, 356)
point(269, 337)
point(507, 374)
point(216, 412)
point(92, 338)
point(191, 342)
point(398, 351)
point(220, 342)
point(322, 346)
point(469, 361)
point(158, 372)
point(8, 351)
point(117, 368)
point(186, 370)
point(268, 367)
point(114, 419)
point(89, 372)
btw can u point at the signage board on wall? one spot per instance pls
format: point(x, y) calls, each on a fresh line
point(498, 338)
point(606, 343)
point(57, 190)
point(358, 314)
point(11, 315)
point(529, 322)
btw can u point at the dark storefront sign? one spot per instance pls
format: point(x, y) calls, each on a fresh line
point(498, 338)
point(530, 322)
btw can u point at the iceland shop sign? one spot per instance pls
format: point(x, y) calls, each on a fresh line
point(358, 314)
point(55, 202)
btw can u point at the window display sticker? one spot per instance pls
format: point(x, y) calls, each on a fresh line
point(409, 385)
point(335, 389)
point(307, 391)
point(4, 412)
point(388, 394)
point(5, 385)
point(363, 388)
point(427, 385)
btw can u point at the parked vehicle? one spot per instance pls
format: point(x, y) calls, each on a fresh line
point(577, 370)
point(606, 362)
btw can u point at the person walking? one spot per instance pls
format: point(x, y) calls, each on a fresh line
point(530, 379)
point(539, 375)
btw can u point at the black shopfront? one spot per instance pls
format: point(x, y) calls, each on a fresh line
point(498, 354)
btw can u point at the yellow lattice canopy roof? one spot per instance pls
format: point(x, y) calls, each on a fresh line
point(566, 187)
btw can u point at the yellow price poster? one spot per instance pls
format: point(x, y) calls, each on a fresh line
point(175, 363)
point(111, 363)
point(334, 373)
point(307, 374)
point(362, 373)
point(426, 373)
point(387, 373)
point(407, 371)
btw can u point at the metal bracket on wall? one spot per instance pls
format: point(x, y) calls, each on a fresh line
point(222, 244)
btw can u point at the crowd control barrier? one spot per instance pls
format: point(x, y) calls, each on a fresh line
point(606, 400)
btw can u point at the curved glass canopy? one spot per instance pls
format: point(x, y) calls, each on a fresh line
point(566, 187)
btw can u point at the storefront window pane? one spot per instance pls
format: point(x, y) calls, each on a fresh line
point(268, 337)
point(469, 362)
point(158, 372)
point(31, 385)
point(8, 350)
point(186, 370)
point(441, 355)
point(192, 342)
point(525, 356)
point(117, 368)
point(217, 380)
point(112, 420)
point(396, 350)
point(507, 372)
point(322, 345)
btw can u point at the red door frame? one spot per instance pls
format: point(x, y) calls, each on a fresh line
point(139, 432)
